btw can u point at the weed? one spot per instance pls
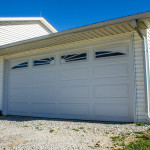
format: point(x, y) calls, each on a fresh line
point(140, 124)
point(128, 133)
point(25, 126)
point(106, 132)
point(143, 143)
point(51, 130)
point(144, 137)
point(81, 128)
point(139, 132)
point(138, 145)
point(38, 128)
point(75, 129)
point(148, 129)
point(119, 140)
point(115, 138)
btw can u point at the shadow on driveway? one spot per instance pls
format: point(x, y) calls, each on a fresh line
point(26, 118)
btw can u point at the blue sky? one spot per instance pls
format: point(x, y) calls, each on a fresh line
point(66, 14)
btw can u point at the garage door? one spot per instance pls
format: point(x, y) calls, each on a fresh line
point(92, 85)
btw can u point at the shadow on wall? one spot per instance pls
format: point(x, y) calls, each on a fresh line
point(24, 118)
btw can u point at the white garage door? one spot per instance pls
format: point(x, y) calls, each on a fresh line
point(92, 85)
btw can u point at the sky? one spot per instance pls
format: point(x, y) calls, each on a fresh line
point(67, 14)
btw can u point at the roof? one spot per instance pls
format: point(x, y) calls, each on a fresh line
point(101, 29)
point(13, 29)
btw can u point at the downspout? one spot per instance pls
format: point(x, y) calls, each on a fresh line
point(146, 67)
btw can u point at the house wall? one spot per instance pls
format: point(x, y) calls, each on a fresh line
point(139, 79)
point(17, 31)
point(138, 63)
point(1, 81)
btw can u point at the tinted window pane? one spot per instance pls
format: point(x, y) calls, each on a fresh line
point(73, 57)
point(107, 54)
point(44, 61)
point(21, 65)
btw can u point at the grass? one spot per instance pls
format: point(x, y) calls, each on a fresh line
point(38, 128)
point(115, 138)
point(75, 129)
point(119, 140)
point(140, 124)
point(51, 130)
point(139, 132)
point(142, 142)
point(81, 127)
point(128, 133)
point(138, 145)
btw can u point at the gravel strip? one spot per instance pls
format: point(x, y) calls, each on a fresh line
point(26, 133)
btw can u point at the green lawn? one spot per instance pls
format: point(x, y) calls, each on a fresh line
point(142, 141)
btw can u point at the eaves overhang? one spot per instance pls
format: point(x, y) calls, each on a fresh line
point(102, 29)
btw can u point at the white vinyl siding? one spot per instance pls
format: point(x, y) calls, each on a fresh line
point(139, 79)
point(18, 31)
point(1, 81)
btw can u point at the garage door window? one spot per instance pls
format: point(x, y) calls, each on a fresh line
point(73, 57)
point(44, 61)
point(100, 54)
point(21, 65)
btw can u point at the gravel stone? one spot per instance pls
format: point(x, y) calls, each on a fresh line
point(27, 133)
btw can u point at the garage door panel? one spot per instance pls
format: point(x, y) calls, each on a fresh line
point(112, 60)
point(111, 110)
point(74, 92)
point(18, 107)
point(74, 64)
point(44, 91)
point(74, 74)
point(111, 90)
point(111, 80)
point(17, 99)
point(74, 109)
point(20, 92)
point(43, 100)
point(43, 108)
point(110, 70)
point(21, 78)
point(108, 100)
point(73, 99)
point(71, 83)
point(44, 76)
